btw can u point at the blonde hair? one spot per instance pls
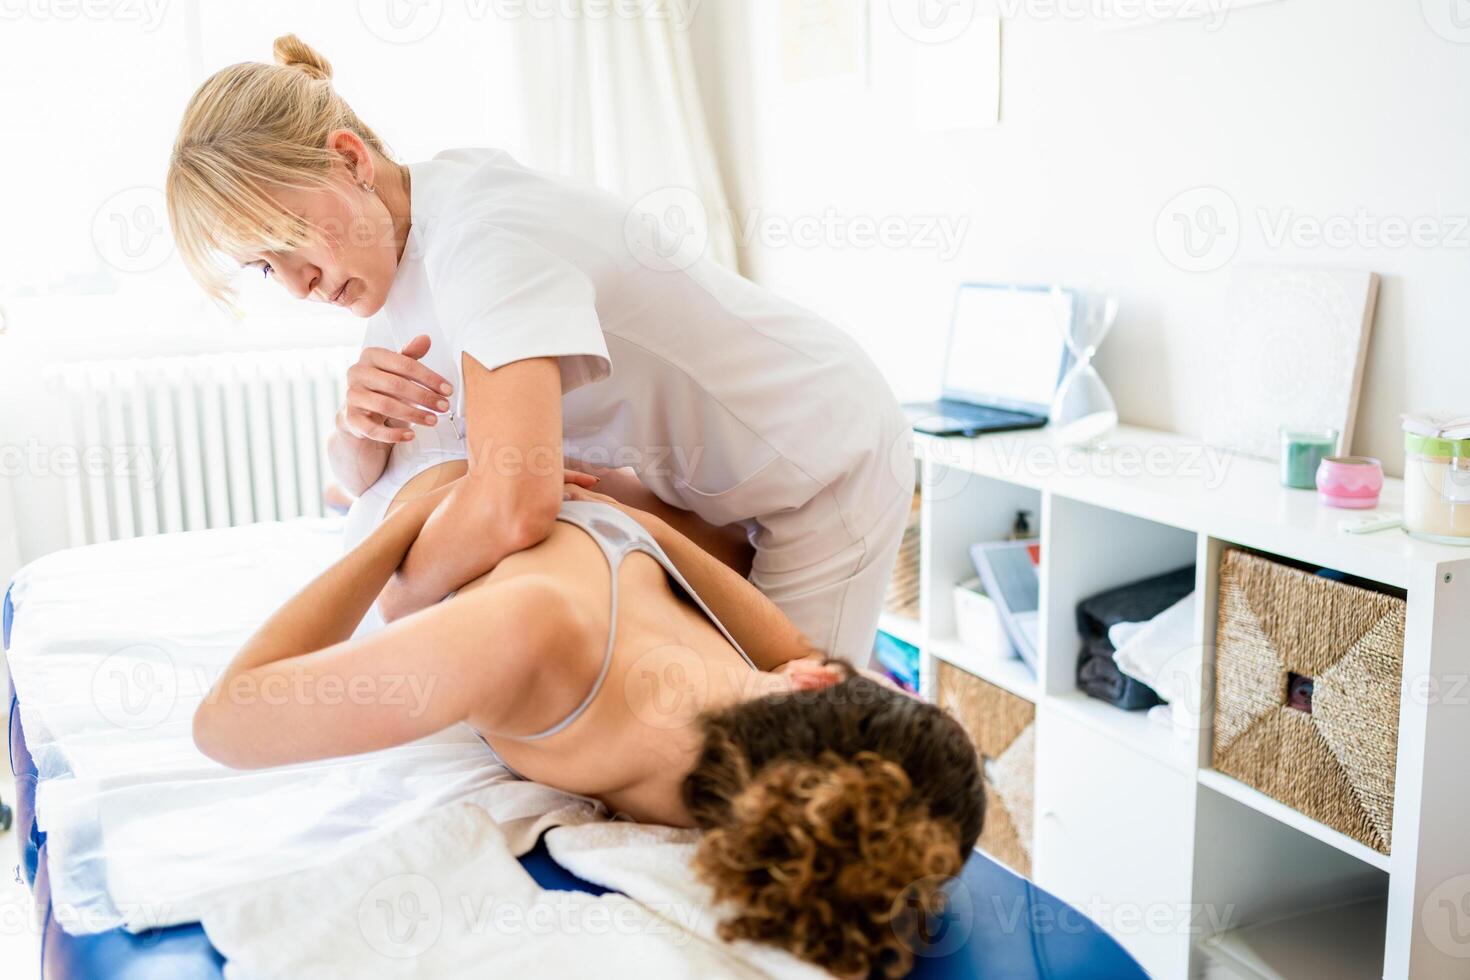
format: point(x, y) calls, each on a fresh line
point(249, 127)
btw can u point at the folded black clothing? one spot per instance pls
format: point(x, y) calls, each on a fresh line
point(1138, 602)
point(1100, 678)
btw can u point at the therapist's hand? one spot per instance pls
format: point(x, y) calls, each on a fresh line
point(388, 391)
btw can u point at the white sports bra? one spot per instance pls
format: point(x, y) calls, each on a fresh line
point(619, 535)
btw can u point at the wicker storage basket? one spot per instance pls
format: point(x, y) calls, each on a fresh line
point(902, 598)
point(1334, 762)
point(1003, 728)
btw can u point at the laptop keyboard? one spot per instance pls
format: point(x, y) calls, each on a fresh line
point(955, 415)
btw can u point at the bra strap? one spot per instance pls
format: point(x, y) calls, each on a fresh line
point(614, 562)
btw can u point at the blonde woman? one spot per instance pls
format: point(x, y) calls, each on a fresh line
point(515, 318)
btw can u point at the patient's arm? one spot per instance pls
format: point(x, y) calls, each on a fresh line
point(760, 627)
point(301, 688)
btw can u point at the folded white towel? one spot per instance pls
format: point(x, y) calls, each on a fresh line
point(1164, 654)
point(445, 898)
point(651, 864)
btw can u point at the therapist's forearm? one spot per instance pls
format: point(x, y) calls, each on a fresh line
point(471, 531)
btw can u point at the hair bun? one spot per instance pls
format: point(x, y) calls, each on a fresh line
point(816, 857)
point(293, 52)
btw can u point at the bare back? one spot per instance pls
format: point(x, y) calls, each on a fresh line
point(633, 745)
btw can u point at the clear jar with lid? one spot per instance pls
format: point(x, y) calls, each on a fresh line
point(1437, 488)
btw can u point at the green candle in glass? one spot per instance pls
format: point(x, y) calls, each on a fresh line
point(1302, 451)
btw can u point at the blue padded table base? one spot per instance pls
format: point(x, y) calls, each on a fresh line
point(998, 925)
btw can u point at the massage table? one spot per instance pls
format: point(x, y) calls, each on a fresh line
point(1000, 942)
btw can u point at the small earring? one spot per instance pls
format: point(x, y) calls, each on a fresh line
point(367, 187)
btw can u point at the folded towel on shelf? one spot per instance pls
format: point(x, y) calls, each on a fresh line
point(1163, 652)
point(1097, 671)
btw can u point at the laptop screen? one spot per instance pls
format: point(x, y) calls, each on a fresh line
point(1005, 347)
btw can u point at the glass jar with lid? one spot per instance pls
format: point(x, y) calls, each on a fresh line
point(1437, 488)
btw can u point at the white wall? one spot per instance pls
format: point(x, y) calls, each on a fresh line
point(1317, 108)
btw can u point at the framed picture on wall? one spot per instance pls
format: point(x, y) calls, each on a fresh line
point(824, 39)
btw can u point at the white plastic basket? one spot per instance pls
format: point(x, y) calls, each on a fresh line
point(977, 621)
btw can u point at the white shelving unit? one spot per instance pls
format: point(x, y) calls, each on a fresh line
point(1189, 868)
point(1009, 673)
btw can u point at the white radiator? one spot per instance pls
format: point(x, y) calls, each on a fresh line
point(185, 443)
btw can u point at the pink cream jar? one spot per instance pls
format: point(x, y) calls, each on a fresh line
point(1350, 481)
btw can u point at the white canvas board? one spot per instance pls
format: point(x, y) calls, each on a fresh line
point(1289, 352)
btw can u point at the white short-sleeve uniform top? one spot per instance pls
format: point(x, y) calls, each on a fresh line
point(726, 399)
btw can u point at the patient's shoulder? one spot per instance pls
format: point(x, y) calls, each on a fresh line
point(537, 620)
point(531, 655)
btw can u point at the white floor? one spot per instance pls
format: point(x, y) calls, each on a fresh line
point(20, 942)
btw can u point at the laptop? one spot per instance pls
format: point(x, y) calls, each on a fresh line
point(1004, 361)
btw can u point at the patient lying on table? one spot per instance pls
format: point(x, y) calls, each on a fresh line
point(619, 661)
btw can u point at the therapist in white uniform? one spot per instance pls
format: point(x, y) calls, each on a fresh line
point(514, 318)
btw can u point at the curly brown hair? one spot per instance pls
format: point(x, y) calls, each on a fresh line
point(824, 810)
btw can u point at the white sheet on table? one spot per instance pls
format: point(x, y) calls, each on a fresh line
point(443, 897)
point(112, 649)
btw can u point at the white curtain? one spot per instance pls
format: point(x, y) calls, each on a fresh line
point(612, 98)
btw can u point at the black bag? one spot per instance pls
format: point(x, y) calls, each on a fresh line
point(1097, 675)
